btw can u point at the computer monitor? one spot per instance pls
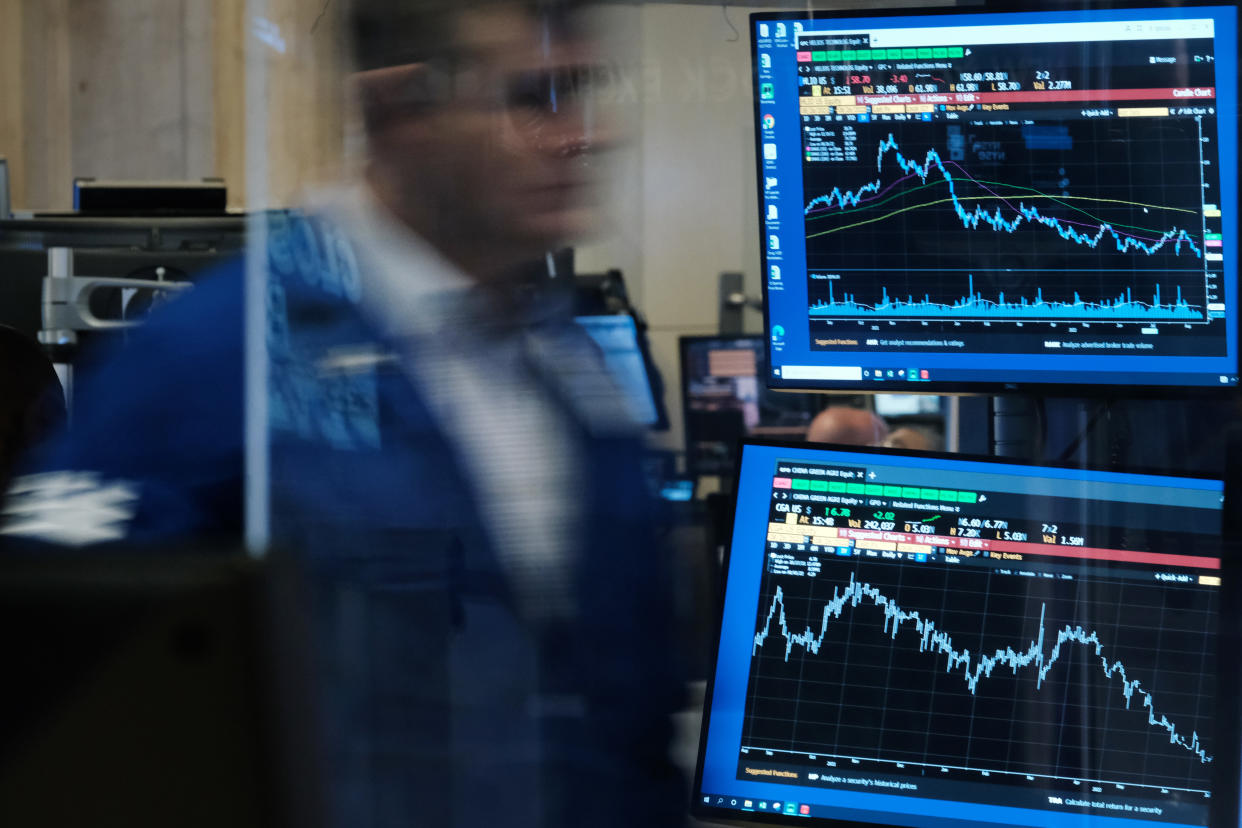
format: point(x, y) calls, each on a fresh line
point(724, 399)
point(924, 640)
point(1000, 201)
point(626, 361)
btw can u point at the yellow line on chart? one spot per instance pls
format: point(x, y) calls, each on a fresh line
point(966, 198)
point(1033, 194)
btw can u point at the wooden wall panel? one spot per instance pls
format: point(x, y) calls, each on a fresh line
point(306, 98)
point(198, 104)
point(11, 116)
point(46, 139)
point(228, 51)
point(131, 81)
point(155, 89)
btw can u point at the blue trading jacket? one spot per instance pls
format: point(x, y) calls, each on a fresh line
point(439, 704)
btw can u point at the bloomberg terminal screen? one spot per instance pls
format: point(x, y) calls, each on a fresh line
point(985, 199)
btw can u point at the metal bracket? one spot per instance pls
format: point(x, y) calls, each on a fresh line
point(66, 299)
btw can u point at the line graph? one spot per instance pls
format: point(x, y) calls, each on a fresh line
point(1062, 200)
point(972, 218)
point(975, 666)
point(1088, 679)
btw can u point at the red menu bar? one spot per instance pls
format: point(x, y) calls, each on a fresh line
point(1183, 93)
point(1028, 548)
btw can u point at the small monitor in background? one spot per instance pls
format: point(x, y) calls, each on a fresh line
point(664, 480)
point(679, 490)
point(208, 197)
point(918, 640)
point(915, 421)
point(724, 399)
point(627, 361)
point(907, 405)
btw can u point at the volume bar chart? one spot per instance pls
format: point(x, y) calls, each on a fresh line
point(974, 306)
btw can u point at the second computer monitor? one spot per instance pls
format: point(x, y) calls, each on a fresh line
point(1004, 200)
point(931, 641)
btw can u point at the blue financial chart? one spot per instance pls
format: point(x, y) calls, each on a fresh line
point(917, 641)
point(975, 201)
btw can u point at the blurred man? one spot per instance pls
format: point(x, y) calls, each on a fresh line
point(478, 126)
point(448, 461)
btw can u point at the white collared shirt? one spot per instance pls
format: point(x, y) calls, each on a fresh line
point(510, 437)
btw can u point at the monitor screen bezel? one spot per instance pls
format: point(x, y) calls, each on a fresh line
point(1225, 809)
point(1085, 388)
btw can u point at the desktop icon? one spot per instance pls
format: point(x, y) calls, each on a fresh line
point(775, 272)
point(763, 30)
point(780, 30)
point(765, 60)
point(769, 121)
point(733, 802)
point(767, 91)
point(923, 374)
point(778, 331)
point(748, 804)
point(791, 807)
point(773, 213)
point(769, 152)
point(763, 806)
point(774, 242)
point(769, 183)
point(805, 810)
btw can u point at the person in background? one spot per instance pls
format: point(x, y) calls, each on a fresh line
point(914, 437)
point(847, 426)
point(449, 464)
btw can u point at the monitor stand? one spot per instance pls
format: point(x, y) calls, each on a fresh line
point(1015, 427)
point(1039, 429)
